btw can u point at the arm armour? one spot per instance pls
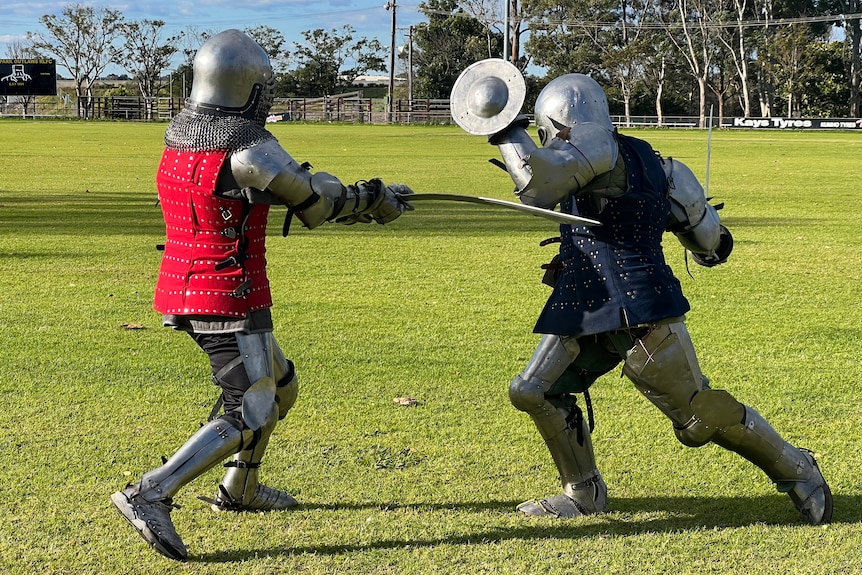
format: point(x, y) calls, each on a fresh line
point(692, 219)
point(318, 197)
point(546, 176)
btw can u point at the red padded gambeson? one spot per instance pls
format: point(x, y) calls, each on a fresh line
point(203, 231)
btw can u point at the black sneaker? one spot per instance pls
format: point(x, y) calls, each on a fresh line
point(152, 519)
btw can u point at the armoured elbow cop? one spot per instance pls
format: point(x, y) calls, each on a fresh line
point(577, 136)
point(692, 219)
point(575, 128)
point(315, 198)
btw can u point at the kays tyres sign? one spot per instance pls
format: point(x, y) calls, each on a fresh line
point(28, 77)
point(796, 123)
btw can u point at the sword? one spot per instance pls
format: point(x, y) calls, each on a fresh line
point(554, 216)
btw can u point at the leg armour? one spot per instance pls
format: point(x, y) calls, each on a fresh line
point(257, 357)
point(227, 369)
point(743, 430)
point(231, 374)
point(663, 366)
point(240, 489)
point(263, 404)
point(147, 504)
point(286, 391)
point(566, 433)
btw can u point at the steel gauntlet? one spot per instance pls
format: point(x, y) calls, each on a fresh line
point(385, 203)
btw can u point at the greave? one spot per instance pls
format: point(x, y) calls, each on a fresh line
point(757, 441)
point(793, 470)
point(562, 426)
point(241, 478)
point(240, 489)
point(567, 436)
point(211, 444)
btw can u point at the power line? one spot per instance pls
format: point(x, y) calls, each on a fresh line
point(708, 24)
point(536, 24)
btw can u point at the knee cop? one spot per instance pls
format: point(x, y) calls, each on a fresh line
point(528, 394)
point(549, 362)
point(714, 411)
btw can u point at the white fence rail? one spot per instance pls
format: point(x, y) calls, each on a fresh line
point(353, 108)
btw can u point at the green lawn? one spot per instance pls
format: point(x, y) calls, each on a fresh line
point(439, 306)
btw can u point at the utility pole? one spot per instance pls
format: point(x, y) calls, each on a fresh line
point(507, 16)
point(391, 4)
point(409, 72)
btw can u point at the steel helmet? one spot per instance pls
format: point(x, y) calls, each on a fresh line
point(570, 100)
point(232, 76)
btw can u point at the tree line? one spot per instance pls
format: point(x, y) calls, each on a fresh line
point(754, 58)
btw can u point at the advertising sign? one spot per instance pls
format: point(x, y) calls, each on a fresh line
point(795, 123)
point(28, 77)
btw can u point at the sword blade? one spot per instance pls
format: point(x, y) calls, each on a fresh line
point(554, 216)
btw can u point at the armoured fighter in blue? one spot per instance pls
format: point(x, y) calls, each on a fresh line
point(614, 299)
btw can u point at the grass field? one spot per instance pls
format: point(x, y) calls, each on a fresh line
point(438, 306)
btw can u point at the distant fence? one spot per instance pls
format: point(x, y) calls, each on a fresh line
point(351, 107)
point(354, 108)
point(136, 108)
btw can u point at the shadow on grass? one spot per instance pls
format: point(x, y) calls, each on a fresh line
point(674, 514)
point(78, 213)
point(136, 212)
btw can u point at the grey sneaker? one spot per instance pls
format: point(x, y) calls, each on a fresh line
point(812, 498)
point(152, 519)
point(264, 499)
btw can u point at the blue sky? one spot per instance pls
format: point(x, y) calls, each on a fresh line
point(291, 17)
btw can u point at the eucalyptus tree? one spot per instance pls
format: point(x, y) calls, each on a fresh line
point(722, 81)
point(491, 15)
point(739, 44)
point(447, 43)
point(189, 42)
point(83, 40)
point(329, 61)
point(609, 39)
point(853, 38)
point(272, 41)
point(690, 27)
point(146, 55)
point(517, 29)
point(486, 12)
point(791, 65)
point(665, 78)
point(826, 93)
point(564, 35)
point(783, 59)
